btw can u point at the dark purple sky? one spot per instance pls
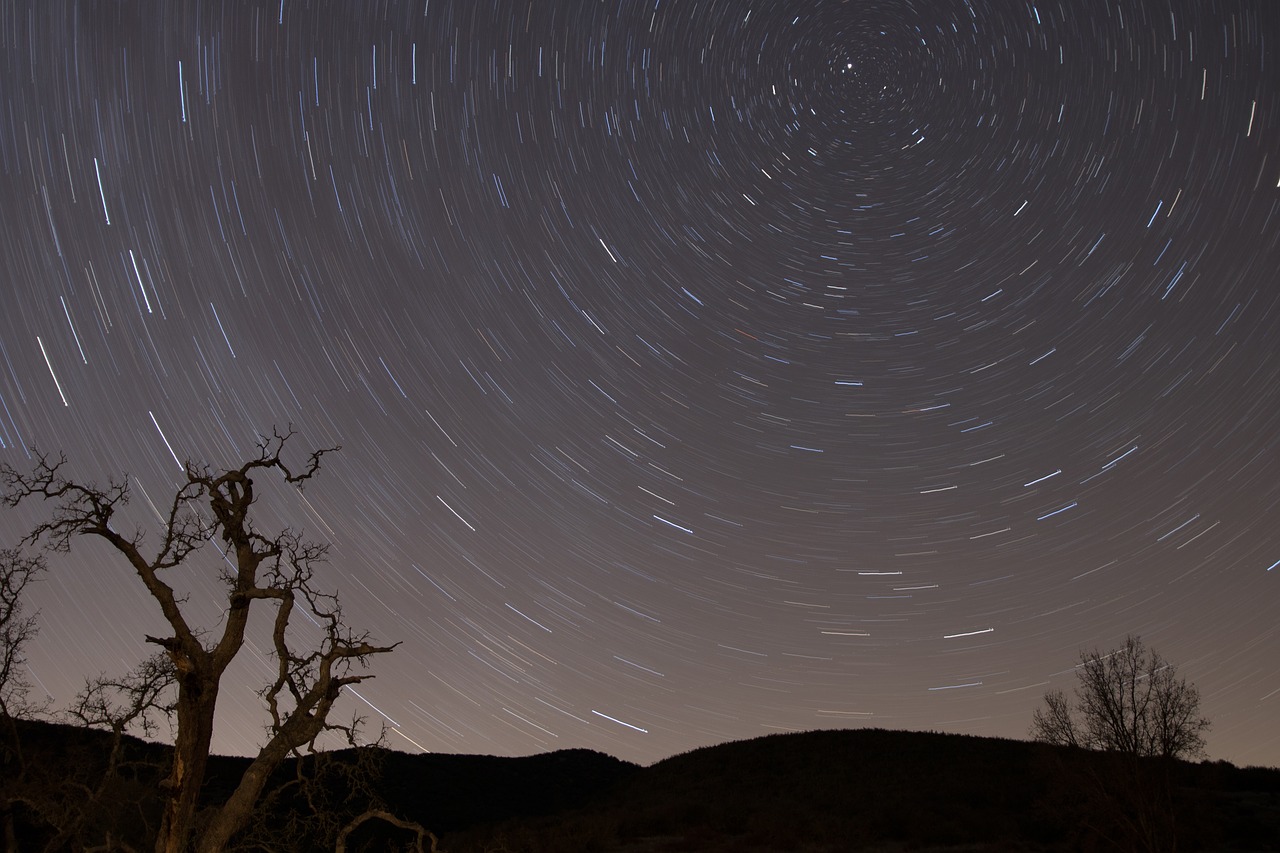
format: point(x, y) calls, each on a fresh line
point(703, 369)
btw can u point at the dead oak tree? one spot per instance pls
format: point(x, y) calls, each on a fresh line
point(276, 569)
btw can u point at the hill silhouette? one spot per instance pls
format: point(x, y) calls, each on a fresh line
point(848, 790)
point(877, 790)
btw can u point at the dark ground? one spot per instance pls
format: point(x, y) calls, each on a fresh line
point(858, 790)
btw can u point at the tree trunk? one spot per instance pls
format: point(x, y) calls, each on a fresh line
point(10, 834)
point(236, 811)
point(196, 700)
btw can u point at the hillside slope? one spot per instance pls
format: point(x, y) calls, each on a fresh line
point(837, 791)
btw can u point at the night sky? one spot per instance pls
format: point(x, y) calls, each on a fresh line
point(703, 369)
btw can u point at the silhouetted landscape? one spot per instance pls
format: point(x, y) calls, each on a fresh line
point(869, 789)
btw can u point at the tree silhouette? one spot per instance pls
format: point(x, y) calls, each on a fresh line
point(17, 630)
point(258, 567)
point(1129, 700)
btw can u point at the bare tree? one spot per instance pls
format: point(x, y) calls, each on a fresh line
point(83, 800)
point(275, 568)
point(329, 796)
point(1129, 700)
point(17, 630)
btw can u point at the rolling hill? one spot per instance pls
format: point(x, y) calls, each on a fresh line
point(837, 791)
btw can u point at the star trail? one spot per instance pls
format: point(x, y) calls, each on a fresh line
point(703, 368)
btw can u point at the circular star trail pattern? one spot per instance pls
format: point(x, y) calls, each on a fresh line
point(702, 369)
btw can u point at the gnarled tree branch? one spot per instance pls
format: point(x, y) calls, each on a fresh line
point(211, 505)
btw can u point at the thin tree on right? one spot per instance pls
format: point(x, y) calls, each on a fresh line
point(1129, 700)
